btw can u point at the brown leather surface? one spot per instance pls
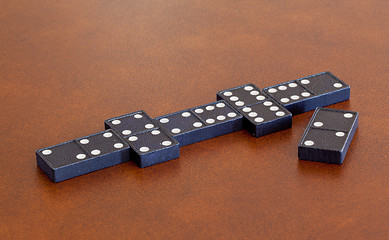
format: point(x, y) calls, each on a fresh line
point(66, 66)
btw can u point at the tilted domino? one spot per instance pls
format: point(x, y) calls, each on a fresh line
point(328, 135)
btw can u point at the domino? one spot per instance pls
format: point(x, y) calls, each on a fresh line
point(262, 115)
point(201, 123)
point(305, 94)
point(328, 135)
point(219, 118)
point(83, 155)
point(153, 147)
point(132, 123)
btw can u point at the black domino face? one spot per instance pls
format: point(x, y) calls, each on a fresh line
point(264, 111)
point(242, 96)
point(325, 139)
point(266, 117)
point(219, 118)
point(131, 123)
point(217, 112)
point(307, 93)
point(201, 123)
point(289, 93)
point(84, 155)
point(152, 147)
point(326, 118)
point(184, 126)
point(328, 135)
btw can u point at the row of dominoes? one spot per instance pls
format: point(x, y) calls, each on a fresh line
point(147, 141)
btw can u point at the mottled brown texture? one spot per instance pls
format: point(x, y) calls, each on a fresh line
point(66, 66)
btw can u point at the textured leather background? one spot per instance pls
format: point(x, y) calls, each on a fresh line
point(66, 66)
